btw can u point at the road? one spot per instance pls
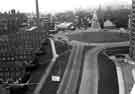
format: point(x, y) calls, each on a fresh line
point(70, 69)
point(83, 73)
point(91, 72)
point(93, 79)
point(72, 74)
point(89, 82)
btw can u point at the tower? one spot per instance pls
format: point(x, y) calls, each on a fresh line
point(37, 15)
point(94, 23)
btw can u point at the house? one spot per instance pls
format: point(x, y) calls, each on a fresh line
point(109, 25)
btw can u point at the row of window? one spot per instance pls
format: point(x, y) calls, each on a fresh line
point(11, 71)
point(5, 76)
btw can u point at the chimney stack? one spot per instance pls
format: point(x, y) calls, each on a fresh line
point(37, 15)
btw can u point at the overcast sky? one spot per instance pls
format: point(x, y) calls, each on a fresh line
point(55, 5)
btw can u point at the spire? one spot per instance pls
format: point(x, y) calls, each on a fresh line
point(95, 24)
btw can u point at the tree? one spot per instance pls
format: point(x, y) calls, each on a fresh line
point(119, 16)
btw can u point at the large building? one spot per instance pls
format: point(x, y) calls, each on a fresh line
point(109, 25)
point(11, 21)
point(15, 51)
point(132, 32)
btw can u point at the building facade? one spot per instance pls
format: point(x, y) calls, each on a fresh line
point(11, 21)
point(132, 32)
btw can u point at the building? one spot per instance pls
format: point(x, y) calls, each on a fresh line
point(132, 32)
point(3, 24)
point(11, 22)
point(109, 25)
point(17, 50)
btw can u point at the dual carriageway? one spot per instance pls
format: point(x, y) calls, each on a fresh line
point(87, 71)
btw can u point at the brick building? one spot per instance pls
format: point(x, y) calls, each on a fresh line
point(11, 22)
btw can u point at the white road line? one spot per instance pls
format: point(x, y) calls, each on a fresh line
point(120, 81)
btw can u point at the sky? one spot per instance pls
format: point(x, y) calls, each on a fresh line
point(56, 5)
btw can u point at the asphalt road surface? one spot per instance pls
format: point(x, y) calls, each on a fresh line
point(94, 78)
point(72, 74)
point(99, 75)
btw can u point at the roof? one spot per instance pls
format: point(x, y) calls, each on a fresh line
point(65, 24)
point(108, 23)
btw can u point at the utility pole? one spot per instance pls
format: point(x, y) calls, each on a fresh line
point(37, 15)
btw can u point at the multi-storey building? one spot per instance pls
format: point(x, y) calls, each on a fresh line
point(11, 22)
point(132, 31)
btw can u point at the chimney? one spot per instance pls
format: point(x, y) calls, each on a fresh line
point(37, 15)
